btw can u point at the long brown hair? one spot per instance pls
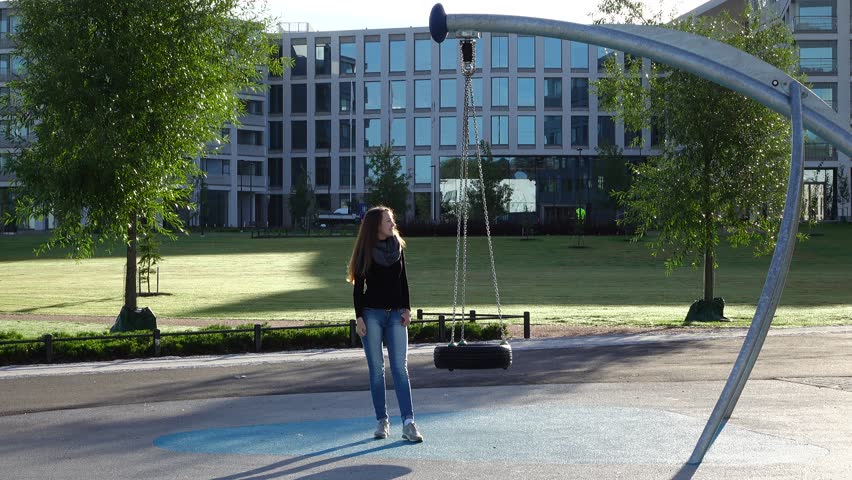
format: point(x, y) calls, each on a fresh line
point(368, 235)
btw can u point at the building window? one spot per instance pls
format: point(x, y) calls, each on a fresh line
point(816, 16)
point(526, 130)
point(347, 134)
point(323, 134)
point(477, 92)
point(818, 57)
point(579, 93)
point(827, 92)
point(658, 132)
point(372, 132)
point(499, 52)
point(398, 132)
point(397, 94)
point(397, 55)
point(276, 135)
point(526, 92)
point(423, 94)
point(299, 98)
point(552, 53)
point(422, 169)
point(604, 55)
point(323, 171)
point(299, 135)
point(448, 93)
point(299, 52)
point(422, 131)
point(606, 131)
point(322, 62)
point(347, 57)
point(372, 57)
point(323, 97)
point(346, 172)
point(423, 55)
point(579, 131)
point(526, 52)
point(253, 107)
point(276, 172)
point(347, 101)
point(449, 131)
point(216, 166)
point(249, 137)
point(372, 96)
point(500, 92)
point(276, 99)
point(579, 57)
point(553, 92)
point(298, 170)
point(552, 130)
point(500, 130)
point(449, 55)
point(632, 138)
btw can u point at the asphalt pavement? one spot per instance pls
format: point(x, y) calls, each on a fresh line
point(618, 406)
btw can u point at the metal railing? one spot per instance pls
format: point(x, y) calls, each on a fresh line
point(807, 23)
point(156, 335)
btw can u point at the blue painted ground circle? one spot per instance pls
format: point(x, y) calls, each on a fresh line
point(553, 434)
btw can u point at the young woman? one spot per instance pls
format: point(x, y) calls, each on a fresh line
point(382, 310)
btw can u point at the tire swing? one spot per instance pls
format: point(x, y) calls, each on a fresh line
point(463, 355)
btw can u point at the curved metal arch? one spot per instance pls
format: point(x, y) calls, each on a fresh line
point(731, 68)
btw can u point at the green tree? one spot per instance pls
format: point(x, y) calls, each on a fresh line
point(149, 258)
point(722, 168)
point(497, 194)
point(303, 202)
point(387, 184)
point(122, 96)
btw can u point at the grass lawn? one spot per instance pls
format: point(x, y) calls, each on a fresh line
point(611, 283)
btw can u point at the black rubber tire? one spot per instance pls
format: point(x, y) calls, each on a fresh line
point(473, 356)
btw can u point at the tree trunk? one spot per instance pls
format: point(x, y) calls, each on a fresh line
point(130, 278)
point(708, 275)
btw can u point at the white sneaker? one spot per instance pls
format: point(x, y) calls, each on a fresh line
point(382, 429)
point(410, 433)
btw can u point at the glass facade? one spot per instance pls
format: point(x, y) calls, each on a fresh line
point(423, 54)
point(526, 52)
point(526, 92)
point(500, 92)
point(398, 132)
point(448, 93)
point(413, 97)
point(372, 57)
point(398, 94)
point(423, 94)
point(499, 52)
point(397, 56)
point(552, 53)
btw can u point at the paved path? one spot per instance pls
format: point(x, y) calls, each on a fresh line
point(594, 407)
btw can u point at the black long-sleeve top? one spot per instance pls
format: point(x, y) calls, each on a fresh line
point(386, 287)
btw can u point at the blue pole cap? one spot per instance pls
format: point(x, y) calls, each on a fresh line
point(438, 23)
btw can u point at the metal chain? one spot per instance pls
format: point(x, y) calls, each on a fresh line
point(462, 202)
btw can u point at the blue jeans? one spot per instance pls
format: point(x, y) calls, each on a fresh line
point(387, 325)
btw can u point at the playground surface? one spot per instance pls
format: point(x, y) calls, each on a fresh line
point(610, 406)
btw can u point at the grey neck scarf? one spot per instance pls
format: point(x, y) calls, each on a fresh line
point(387, 251)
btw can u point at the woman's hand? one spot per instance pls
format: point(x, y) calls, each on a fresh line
point(406, 317)
point(360, 327)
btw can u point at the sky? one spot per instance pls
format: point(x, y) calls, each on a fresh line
point(332, 15)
